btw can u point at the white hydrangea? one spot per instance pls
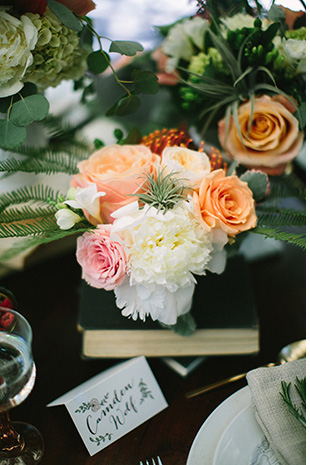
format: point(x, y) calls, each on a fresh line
point(17, 39)
point(164, 248)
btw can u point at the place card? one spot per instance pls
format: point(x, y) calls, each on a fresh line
point(114, 402)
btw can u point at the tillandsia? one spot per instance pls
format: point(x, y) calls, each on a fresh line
point(242, 69)
point(300, 387)
point(46, 42)
point(149, 216)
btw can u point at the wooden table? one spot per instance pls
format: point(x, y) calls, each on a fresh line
point(47, 295)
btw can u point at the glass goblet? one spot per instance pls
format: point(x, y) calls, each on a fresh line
point(20, 443)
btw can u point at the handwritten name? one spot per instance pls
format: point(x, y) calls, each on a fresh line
point(113, 410)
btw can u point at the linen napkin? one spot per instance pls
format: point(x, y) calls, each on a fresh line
point(286, 435)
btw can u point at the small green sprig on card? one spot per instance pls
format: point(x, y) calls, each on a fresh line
point(300, 386)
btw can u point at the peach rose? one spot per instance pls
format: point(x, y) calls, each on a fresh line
point(225, 202)
point(117, 170)
point(103, 261)
point(164, 78)
point(273, 141)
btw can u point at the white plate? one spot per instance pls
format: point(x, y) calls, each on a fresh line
point(208, 437)
point(238, 440)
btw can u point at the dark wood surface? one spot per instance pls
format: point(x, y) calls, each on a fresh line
point(47, 294)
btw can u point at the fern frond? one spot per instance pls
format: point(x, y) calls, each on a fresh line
point(35, 227)
point(34, 241)
point(39, 193)
point(268, 216)
point(77, 152)
point(298, 240)
point(57, 164)
point(26, 213)
point(287, 186)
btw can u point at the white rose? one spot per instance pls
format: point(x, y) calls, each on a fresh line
point(17, 38)
point(189, 165)
point(295, 52)
point(240, 20)
point(181, 40)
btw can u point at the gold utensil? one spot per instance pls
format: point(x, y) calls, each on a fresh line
point(293, 351)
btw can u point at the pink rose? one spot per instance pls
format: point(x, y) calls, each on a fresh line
point(273, 141)
point(119, 171)
point(103, 261)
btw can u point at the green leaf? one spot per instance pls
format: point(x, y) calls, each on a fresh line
point(10, 135)
point(125, 47)
point(301, 115)
point(145, 82)
point(32, 108)
point(86, 39)
point(65, 15)
point(125, 106)
point(258, 182)
point(98, 61)
point(185, 325)
point(134, 136)
point(276, 13)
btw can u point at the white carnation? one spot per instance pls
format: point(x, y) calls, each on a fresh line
point(140, 301)
point(164, 248)
point(17, 38)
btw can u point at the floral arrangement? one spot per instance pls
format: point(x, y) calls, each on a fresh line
point(151, 213)
point(44, 42)
point(244, 73)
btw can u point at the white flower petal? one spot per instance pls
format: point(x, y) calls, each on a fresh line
point(66, 218)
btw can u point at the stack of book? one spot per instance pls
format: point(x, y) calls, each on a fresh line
point(223, 308)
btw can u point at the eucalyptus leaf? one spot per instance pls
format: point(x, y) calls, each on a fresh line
point(276, 13)
point(126, 47)
point(258, 182)
point(32, 108)
point(145, 82)
point(11, 136)
point(125, 106)
point(65, 15)
point(98, 61)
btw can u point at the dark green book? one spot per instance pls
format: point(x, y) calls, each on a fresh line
point(223, 308)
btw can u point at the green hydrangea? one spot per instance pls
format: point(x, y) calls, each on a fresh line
point(57, 55)
point(199, 63)
point(299, 34)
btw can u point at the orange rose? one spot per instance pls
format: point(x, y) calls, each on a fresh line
point(117, 170)
point(273, 141)
point(225, 202)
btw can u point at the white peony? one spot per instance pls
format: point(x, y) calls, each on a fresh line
point(140, 301)
point(190, 165)
point(17, 38)
point(163, 248)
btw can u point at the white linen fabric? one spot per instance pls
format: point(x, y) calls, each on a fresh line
point(283, 431)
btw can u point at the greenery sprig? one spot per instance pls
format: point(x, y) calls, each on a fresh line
point(163, 191)
point(300, 386)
